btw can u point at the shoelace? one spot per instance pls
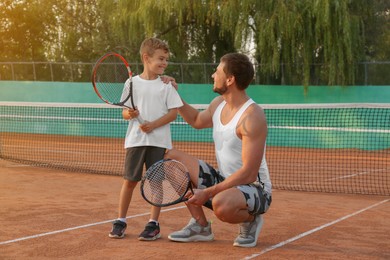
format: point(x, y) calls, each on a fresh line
point(118, 226)
point(190, 224)
point(244, 230)
point(117, 229)
point(149, 228)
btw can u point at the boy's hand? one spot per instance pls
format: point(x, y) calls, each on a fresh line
point(146, 127)
point(130, 113)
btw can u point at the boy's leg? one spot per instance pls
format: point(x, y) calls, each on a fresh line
point(125, 197)
point(132, 174)
point(119, 226)
point(152, 228)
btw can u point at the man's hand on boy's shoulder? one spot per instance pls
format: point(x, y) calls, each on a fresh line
point(167, 79)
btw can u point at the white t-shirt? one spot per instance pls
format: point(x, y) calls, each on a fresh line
point(228, 146)
point(153, 99)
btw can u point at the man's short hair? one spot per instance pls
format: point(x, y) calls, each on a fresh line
point(239, 66)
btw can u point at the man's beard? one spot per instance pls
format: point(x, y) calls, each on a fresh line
point(221, 90)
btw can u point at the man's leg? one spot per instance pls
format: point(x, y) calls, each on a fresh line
point(198, 229)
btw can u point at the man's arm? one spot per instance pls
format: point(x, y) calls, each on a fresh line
point(168, 79)
point(199, 119)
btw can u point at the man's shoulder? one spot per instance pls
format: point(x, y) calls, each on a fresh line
point(216, 101)
point(214, 104)
point(255, 114)
point(255, 108)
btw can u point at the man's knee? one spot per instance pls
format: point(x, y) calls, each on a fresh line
point(221, 208)
point(170, 154)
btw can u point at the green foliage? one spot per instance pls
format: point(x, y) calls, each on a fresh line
point(24, 30)
point(293, 42)
point(300, 33)
point(190, 27)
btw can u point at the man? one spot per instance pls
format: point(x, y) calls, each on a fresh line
point(240, 191)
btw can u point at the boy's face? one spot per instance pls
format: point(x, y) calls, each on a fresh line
point(157, 62)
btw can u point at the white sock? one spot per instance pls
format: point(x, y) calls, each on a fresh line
point(123, 219)
point(155, 221)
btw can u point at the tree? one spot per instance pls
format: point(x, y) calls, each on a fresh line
point(291, 35)
point(188, 26)
point(25, 33)
point(292, 42)
point(288, 36)
point(377, 31)
point(83, 31)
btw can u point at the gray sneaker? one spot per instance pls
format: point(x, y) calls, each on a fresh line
point(193, 232)
point(249, 232)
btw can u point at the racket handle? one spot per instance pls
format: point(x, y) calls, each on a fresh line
point(139, 119)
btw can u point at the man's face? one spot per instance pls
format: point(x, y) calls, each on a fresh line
point(220, 78)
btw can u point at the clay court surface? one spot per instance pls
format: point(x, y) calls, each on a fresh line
point(54, 214)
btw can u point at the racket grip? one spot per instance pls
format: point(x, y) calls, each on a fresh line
point(139, 119)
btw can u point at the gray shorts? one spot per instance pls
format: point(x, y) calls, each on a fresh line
point(137, 157)
point(257, 199)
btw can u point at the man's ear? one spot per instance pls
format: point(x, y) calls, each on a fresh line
point(230, 80)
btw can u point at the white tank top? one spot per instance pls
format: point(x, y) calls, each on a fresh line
point(228, 146)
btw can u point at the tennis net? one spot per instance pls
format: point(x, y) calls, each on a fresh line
point(343, 148)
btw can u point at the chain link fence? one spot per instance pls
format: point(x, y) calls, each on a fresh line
point(369, 73)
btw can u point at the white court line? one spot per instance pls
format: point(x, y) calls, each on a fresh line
point(357, 174)
point(79, 227)
point(342, 177)
point(312, 231)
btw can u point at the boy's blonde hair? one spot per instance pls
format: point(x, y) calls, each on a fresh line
point(150, 45)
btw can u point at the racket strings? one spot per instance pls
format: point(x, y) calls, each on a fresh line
point(110, 78)
point(166, 182)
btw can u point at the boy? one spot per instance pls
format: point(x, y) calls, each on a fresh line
point(146, 143)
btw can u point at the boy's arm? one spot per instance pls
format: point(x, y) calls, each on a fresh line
point(148, 127)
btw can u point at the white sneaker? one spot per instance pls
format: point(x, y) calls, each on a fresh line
point(193, 232)
point(249, 232)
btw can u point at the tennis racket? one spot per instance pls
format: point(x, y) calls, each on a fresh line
point(166, 183)
point(112, 81)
